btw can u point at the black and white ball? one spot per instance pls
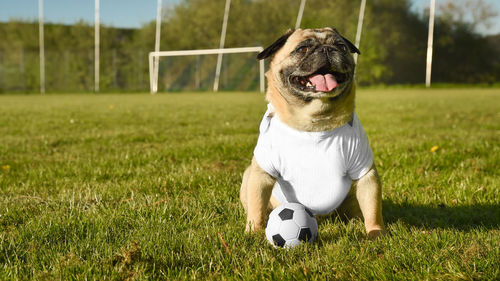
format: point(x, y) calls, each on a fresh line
point(291, 224)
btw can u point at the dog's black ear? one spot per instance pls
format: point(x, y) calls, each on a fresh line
point(274, 47)
point(351, 46)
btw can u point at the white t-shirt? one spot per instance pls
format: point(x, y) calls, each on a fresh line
point(315, 169)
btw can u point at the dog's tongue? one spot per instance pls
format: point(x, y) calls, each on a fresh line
point(324, 83)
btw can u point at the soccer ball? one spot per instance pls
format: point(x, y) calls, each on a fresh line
point(291, 224)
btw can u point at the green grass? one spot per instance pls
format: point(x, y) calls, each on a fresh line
point(140, 187)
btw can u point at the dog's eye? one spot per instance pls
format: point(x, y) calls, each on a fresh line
point(303, 49)
point(343, 47)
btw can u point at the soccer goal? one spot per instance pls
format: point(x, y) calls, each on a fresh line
point(153, 78)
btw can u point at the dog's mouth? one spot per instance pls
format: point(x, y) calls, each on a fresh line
point(323, 80)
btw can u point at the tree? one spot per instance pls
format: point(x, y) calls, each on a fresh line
point(473, 14)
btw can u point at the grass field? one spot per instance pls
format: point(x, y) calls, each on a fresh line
point(110, 187)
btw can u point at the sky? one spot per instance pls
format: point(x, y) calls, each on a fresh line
point(130, 13)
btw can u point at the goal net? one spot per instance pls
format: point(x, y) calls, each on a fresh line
point(193, 63)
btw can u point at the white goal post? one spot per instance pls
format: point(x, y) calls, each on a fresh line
point(153, 78)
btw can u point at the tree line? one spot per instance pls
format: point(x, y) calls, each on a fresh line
point(393, 46)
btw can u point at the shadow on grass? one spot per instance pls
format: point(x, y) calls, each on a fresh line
point(460, 217)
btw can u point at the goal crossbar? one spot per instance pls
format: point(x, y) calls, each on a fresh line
point(153, 81)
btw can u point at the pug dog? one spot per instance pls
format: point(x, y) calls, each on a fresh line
point(312, 148)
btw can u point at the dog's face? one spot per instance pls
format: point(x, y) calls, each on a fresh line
point(312, 63)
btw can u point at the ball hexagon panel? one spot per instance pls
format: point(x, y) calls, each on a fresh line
point(289, 229)
point(292, 243)
point(302, 219)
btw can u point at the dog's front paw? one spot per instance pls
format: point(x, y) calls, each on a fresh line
point(376, 233)
point(252, 227)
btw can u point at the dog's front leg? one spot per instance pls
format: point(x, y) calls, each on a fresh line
point(369, 196)
point(255, 194)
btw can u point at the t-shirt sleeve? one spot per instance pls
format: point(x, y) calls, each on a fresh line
point(357, 152)
point(264, 155)
point(263, 152)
